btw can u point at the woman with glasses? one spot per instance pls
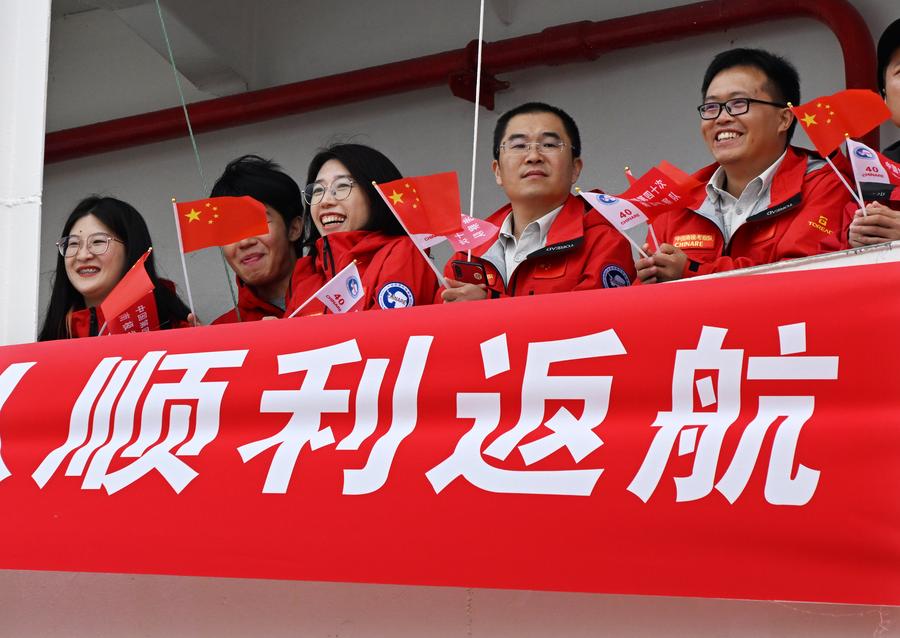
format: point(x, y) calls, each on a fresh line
point(347, 221)
point(102, 238)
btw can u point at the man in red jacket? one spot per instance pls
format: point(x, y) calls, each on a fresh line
point(263, 264)
point(549, 240)
point(881, 222)
point(763, 200)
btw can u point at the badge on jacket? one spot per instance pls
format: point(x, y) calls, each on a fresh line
point(614, 277)
point(395, 295)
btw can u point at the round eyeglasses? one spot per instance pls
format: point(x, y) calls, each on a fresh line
point(340, 189)
point(735, 106)
point(97, 244)
point(523, 148)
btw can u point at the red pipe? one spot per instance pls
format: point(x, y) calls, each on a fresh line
point(552, 46)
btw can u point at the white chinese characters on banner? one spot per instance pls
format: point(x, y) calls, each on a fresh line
point(538, 386)
point(682, 423)
point(111, 396)
point(307, 404)
point(8, 382)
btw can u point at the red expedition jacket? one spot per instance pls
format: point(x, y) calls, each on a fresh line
point(394, 273)
point(252, 307)
point(87, 321)
point(804, 216)
point(582, 252)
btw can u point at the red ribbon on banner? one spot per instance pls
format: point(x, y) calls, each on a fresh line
point(559, 442)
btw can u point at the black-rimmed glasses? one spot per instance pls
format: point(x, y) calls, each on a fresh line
point(735, 106)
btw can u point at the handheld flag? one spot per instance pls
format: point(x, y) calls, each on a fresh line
point(663, 188)
point(620, 213)
point(829, 119)
point(867, 167)
point(341, 294)
point(131, 306)
point(425, 205)
point(219, 221)
point(475, 232)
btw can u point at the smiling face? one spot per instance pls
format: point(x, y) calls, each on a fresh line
point(263, 260)
point(336, 215)
point(750, 142)
point(892, 87)
point(94, 276)
point(532, 179)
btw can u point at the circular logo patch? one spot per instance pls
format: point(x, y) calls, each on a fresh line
point(614, 277)
point(864, 153)
point(395, 295)
point(607, 199)
point(353, 287)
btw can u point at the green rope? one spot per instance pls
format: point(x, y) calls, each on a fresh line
point(187, 118)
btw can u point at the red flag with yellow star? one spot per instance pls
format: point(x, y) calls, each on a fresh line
point(219, 221)
point(426, 205)
point(830, 119)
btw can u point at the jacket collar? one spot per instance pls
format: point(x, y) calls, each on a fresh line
point(566, 232)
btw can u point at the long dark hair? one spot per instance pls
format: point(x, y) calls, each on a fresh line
point(365, 165)
point(127, 224)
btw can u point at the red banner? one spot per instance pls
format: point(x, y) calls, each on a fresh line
point(733, 438)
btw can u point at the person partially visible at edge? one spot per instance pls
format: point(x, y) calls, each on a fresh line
point(881, 223)
point(346, 222)
point(549, 239)
point(263, 264)
point(762, 200)
point(102, 238)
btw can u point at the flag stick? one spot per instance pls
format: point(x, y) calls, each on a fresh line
point(102, 328)
point(856, 198)
point(477, 106)
point(653, 236)
point(438, 273)
point(187, 282)
point(621, 232)
point(316, 293)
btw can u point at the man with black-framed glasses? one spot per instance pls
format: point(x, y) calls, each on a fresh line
point(763, 200)
point(549, 239)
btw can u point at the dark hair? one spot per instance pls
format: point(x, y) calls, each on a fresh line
point(537, 107)
point(783, 79)
point(266, 182)
point(366, 165)
point(128, 225)
point(888, 43)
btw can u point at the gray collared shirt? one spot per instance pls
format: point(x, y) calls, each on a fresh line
point(732, 211)
point(533, 237)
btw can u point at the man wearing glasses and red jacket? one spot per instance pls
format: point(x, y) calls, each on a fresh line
point(763, 200)
point(549, 241)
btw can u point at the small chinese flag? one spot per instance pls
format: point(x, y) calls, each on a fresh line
point(663, 188)
point(219, 221)
point(830, 119)
point(133, 290)
point(426, 205)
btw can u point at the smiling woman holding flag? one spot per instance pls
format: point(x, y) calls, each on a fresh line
point(348, 222)
point(101, 240)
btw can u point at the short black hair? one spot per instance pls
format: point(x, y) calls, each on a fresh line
point(265, 181)
point(366, 165)
point(784, 81)
point(537, 107)
point(888, 43)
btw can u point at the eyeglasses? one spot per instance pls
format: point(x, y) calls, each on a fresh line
point(97, 244)
point(736, 106)
point(523, 148)
point(340, 189)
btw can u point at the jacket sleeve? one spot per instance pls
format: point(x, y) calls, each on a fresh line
point(818, 225)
